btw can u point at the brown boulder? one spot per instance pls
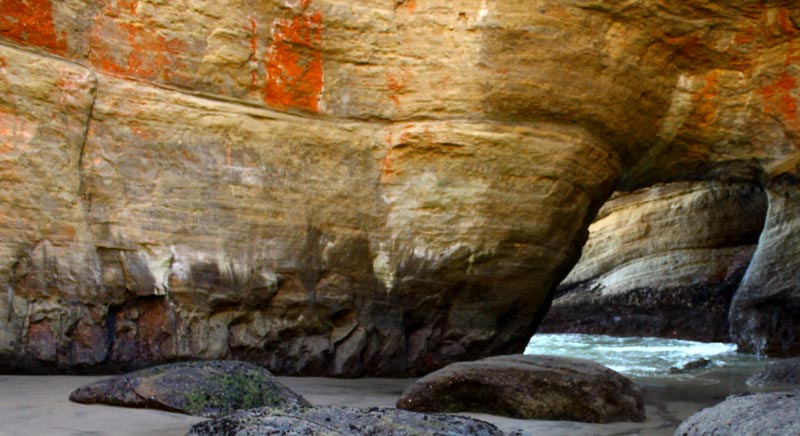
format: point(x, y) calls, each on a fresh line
point(528, 387)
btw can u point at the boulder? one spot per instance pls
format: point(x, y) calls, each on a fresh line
point(341, 421)
point(528, 387)
point(210, 389)
point(773, 414)
point(780, 373)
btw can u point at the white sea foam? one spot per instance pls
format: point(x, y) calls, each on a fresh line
point(636, 356)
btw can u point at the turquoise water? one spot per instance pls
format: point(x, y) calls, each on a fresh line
point(641, 357)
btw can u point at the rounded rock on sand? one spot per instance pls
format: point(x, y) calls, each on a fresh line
point(529, 387)
point(203, 388)
point(341, 421)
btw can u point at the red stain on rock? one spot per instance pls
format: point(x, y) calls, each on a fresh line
point(746, 37)
point(115, 8)
point(294, 63)
point(70, 96)
point(30, 22)
point(88, 343)
point(145, 332)
point(130, 49)
point(778, 99)
point(394, 151)
point(388, 166)
point(707, 107)
point(785, 22)
point(252, 31)
point(17, 132)
point(396, 85)
point(157, 328)
point(42, 342)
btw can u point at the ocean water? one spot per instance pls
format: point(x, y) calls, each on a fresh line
point(641, 357)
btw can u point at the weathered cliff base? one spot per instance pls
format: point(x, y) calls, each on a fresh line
point(362, 188)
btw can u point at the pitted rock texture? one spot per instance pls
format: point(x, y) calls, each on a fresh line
point(528, 387)
point(211, 389)
point(341, 421)
point(780, 373)
point(773, 414)
point(352, 188)
point(663, 261)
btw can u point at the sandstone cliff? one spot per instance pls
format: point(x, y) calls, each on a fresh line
point(372, 187)
point(663, 261)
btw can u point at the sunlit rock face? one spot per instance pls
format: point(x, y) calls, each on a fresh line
point(663, 261)
point(351, 188)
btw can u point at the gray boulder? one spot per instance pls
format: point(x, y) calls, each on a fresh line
point(529, 387)
point(774, 414)
point(780, 373)
point(341, 421)
point(205, 388)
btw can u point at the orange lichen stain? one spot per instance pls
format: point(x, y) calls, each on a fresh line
point(405, 135)
point(252, 32)
point(388, 166)
point(144, 133)
point(70, 90)
point(115, 8)
point(394, 150)
point(130, 49)
point(61, 235)
point(411, 5)
point(746, 37)
point(294, 63)
point(396, 85)
point(15, 132)
point(707, 107)
point(777, 97)
point(30, 22)
point(785, 22)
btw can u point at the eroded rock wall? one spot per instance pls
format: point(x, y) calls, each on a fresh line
point(349, 188)
point(663, 261)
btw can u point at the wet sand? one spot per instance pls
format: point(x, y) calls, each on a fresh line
point(38, 405)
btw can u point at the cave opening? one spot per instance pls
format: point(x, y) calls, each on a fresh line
point(654, 288)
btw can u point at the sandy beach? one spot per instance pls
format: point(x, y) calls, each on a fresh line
point(38, 405)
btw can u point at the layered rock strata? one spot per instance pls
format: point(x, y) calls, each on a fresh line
point(663, 261)
point(351, 188)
